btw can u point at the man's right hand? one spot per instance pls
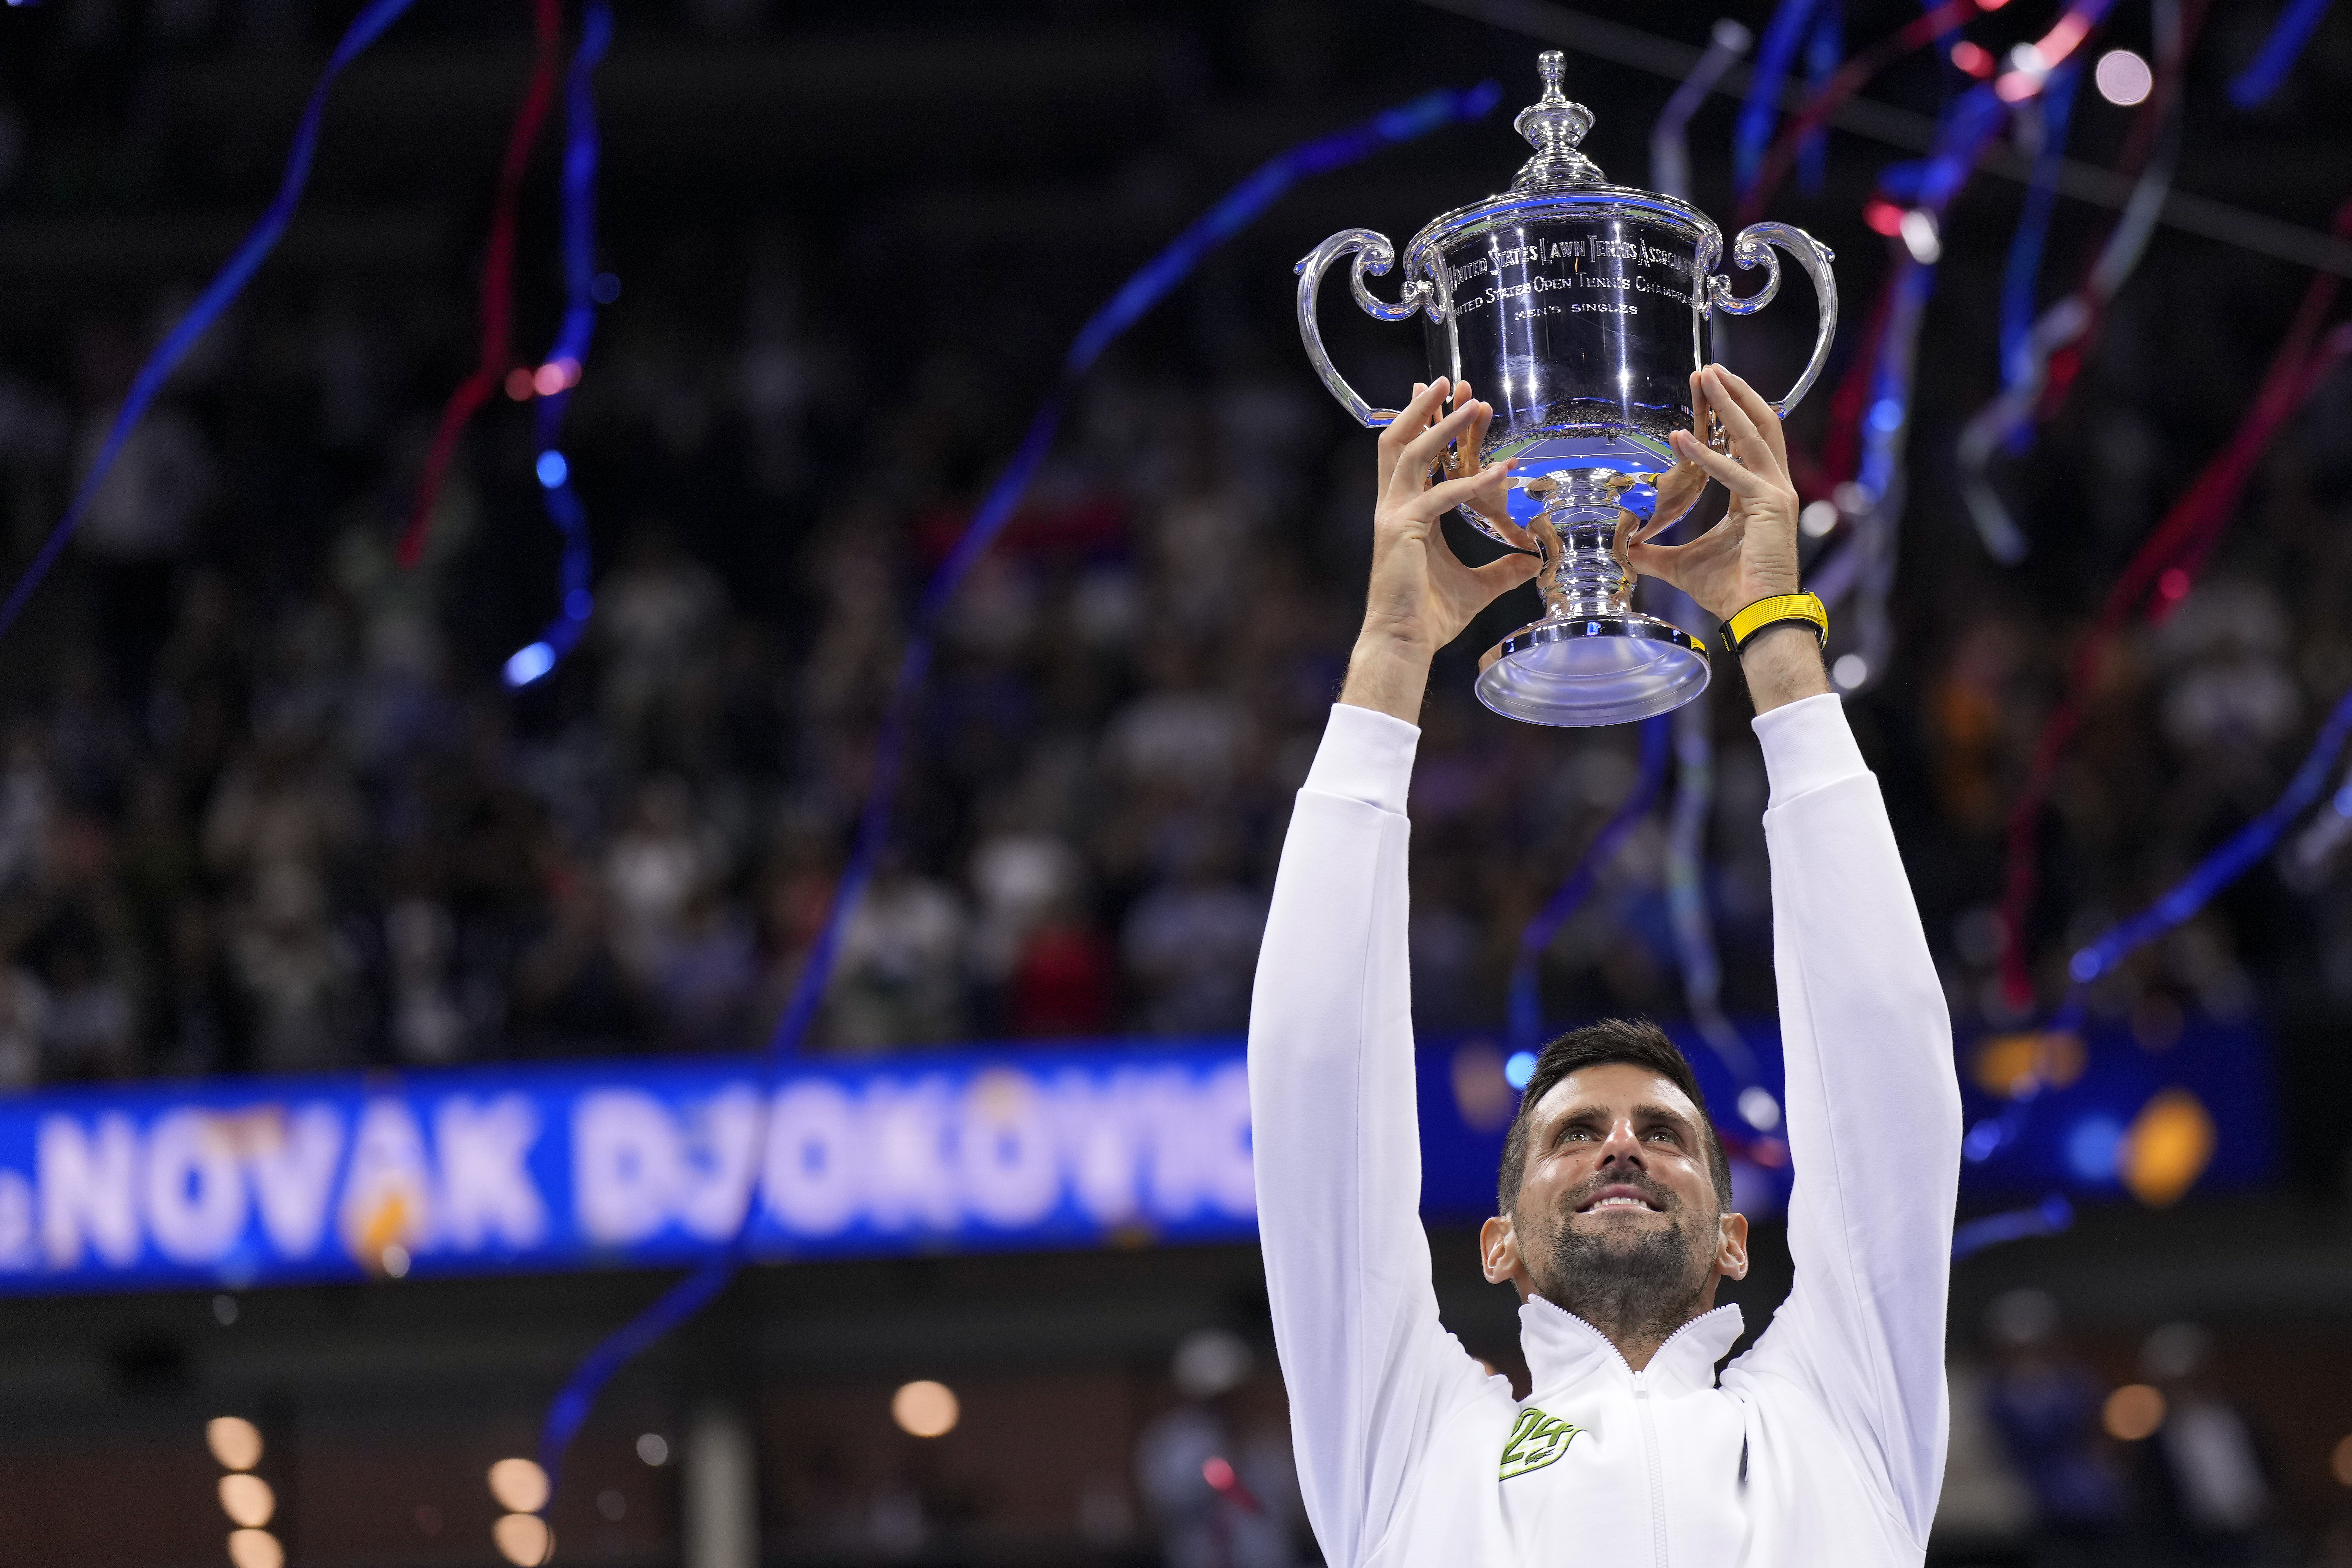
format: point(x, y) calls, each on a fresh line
point(1421, 595)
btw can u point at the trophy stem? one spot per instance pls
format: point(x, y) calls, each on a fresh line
point(1582, 534)
point(1592, 658)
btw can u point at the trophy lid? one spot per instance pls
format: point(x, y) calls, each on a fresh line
point(1554, 126)
point(1558, 181)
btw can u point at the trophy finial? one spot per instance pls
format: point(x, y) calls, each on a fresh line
point(1554, 126)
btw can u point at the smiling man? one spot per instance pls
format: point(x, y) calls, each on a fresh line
point(1822, 1446)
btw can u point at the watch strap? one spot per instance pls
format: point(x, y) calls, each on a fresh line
point(1781, 609)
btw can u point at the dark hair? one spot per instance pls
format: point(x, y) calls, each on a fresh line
point(1636, 1042)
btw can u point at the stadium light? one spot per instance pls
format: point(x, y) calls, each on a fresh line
point(523, 1540)
point(235, 1442)
point(2133, 1412)
point(2123, 78)
point(255, 1549)
point(926, 1409)
point(520, 1485)
point(246, 1500)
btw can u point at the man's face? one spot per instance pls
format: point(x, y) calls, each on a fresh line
point(1617, 1218)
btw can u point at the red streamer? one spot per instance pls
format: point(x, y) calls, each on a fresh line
point(2168, 565)
point(498, 277)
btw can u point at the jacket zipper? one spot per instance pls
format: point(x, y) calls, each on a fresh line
point(1650, 1466)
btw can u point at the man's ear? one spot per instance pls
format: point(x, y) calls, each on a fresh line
point(1730, 1247)
point(1498, 1250)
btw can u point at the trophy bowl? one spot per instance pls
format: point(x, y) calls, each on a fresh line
point(1579, 309)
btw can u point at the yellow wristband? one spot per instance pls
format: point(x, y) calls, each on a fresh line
point(1779, 610)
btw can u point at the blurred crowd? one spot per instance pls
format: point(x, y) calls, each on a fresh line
point(2056, 1461)
point(267, 805)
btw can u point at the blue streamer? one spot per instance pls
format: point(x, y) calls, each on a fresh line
point(2238, 855)
point(1975, 119)
point(2225, 865)
point(572, 336)
point(1527, 1001)
point(227, 284)
point(2279, 51)
point(2051, 1216)
point(2024, 268)
point(1153, 282)
point(1752, 132)
point(1824, 51)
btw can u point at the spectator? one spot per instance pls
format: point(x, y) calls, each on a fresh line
point(427, 1028)
point(660, 861)
point(2045, 1406)
point(1065, 980)
point(708, 975)
point(300, 975)
point(2209, 1486)
point(1222, 1487)
point(658, 619)
point(23, 1028)
point(900, 976)
point(1190, 942)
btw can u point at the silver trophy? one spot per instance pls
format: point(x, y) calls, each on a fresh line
point(1579, 309)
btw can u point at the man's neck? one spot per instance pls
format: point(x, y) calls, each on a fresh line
point(1636, 1330)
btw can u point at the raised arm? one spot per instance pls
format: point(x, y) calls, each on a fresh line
point(1873, 1113)
point(1874, 1107)
point(1370, 1373)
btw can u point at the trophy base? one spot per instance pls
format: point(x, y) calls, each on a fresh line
point(1586, 670)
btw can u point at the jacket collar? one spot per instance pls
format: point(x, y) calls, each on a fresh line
point(1562, 1349)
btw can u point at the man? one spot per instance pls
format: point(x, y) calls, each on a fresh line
point(1821, 1447)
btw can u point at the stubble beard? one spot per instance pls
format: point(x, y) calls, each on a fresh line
point(1633, 1288)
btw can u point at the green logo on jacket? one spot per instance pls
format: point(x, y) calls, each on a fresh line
point(1537, 1439)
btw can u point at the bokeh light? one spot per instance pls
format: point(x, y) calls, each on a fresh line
point(926, 1409)
point(2015, 1065)
point(1759, 1109)
point(523, 1540)
point(2123, 78)
point(246, 1500)
point(1482, 1088)
point(255, 1549)
point(520, 1485)
point(2166, 1148)
point(1923, 236)
point(2131, 1411)
point(235, 1442)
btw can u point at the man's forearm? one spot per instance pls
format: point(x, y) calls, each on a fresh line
point(1783, 665)
point(1388, 675)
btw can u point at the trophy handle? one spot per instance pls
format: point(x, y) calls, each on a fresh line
point(1754, 249)
point(1373, 255)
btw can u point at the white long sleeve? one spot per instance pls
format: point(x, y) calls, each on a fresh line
point(1874, 1114)
point(1370, 1373)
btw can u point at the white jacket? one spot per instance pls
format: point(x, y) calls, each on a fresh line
point(1822, 1446)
